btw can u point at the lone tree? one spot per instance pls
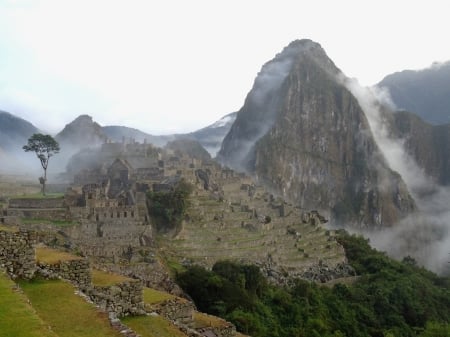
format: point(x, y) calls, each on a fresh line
point(44, 146)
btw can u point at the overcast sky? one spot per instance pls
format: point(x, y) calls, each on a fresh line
point(175, 66)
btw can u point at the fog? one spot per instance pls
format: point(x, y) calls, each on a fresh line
point(424, 235)
point(260, 109)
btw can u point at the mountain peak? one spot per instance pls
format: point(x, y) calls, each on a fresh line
point(303, 134)
point(83, 132)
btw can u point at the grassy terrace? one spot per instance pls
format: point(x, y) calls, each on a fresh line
point(40, 196)
point(202, 320)
point(216, 232)
point(152, 296)
point(53, 256)
point(152, 326)
point(105, 279)
point(9, 229)
point(67, 314)
point(58, 223)
point(17, 317)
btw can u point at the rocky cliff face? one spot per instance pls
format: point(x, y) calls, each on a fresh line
point(302, 133)
point(428, 144)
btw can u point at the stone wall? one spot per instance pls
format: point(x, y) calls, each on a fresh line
point(123, 299)
point(175, 309)
point(17, 253)
point(76, 271)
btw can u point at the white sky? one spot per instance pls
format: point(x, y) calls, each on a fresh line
point(176, 65)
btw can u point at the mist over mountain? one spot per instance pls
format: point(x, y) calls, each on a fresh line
point(304, 134)
point(424, 92)
point(118, 133)
point(210, 137)
point(428, 144)
point(81, 133)
point(14, 131)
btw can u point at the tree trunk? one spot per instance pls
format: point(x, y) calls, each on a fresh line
point(43, 184)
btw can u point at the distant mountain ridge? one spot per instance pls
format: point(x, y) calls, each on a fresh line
point(210, 137)
point(14, 131)
point(424, 92)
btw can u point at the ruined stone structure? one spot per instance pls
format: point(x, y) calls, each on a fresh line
point(17, 252)
point(123, 299)
point(77, 271)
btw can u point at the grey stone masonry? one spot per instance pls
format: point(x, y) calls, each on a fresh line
point(175, 309)
point(76, 271)
point(123, 299)
point(17, 252)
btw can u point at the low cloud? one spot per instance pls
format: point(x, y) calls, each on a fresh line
point(424, 235)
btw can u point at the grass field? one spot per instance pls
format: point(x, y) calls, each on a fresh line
point(104, 279)
point(17, 317)
point(57, 223)
point(53, 256)
point(67, 314)
point(152, 326)
point(39, 196)
point(152, 296)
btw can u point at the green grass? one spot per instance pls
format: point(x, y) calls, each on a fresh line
point(152, 296)
point(39, 196)
point(53, 256)
point(58, 223)
point(202, 320)
point(9, 229)
point(104, 279)
point(66, 313)
point(152, 326)
point(17, 317)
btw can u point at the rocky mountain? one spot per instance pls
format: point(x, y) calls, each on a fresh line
point(302, 133)
point(14, 131)
point(81, 133)
point(428, 144)
point(425, 92)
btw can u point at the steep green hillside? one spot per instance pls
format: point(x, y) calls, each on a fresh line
point(389, 298)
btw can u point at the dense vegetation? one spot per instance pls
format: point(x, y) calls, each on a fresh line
point(167, 207)
point(390, 298)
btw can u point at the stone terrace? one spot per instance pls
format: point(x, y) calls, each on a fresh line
point(249, 225)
